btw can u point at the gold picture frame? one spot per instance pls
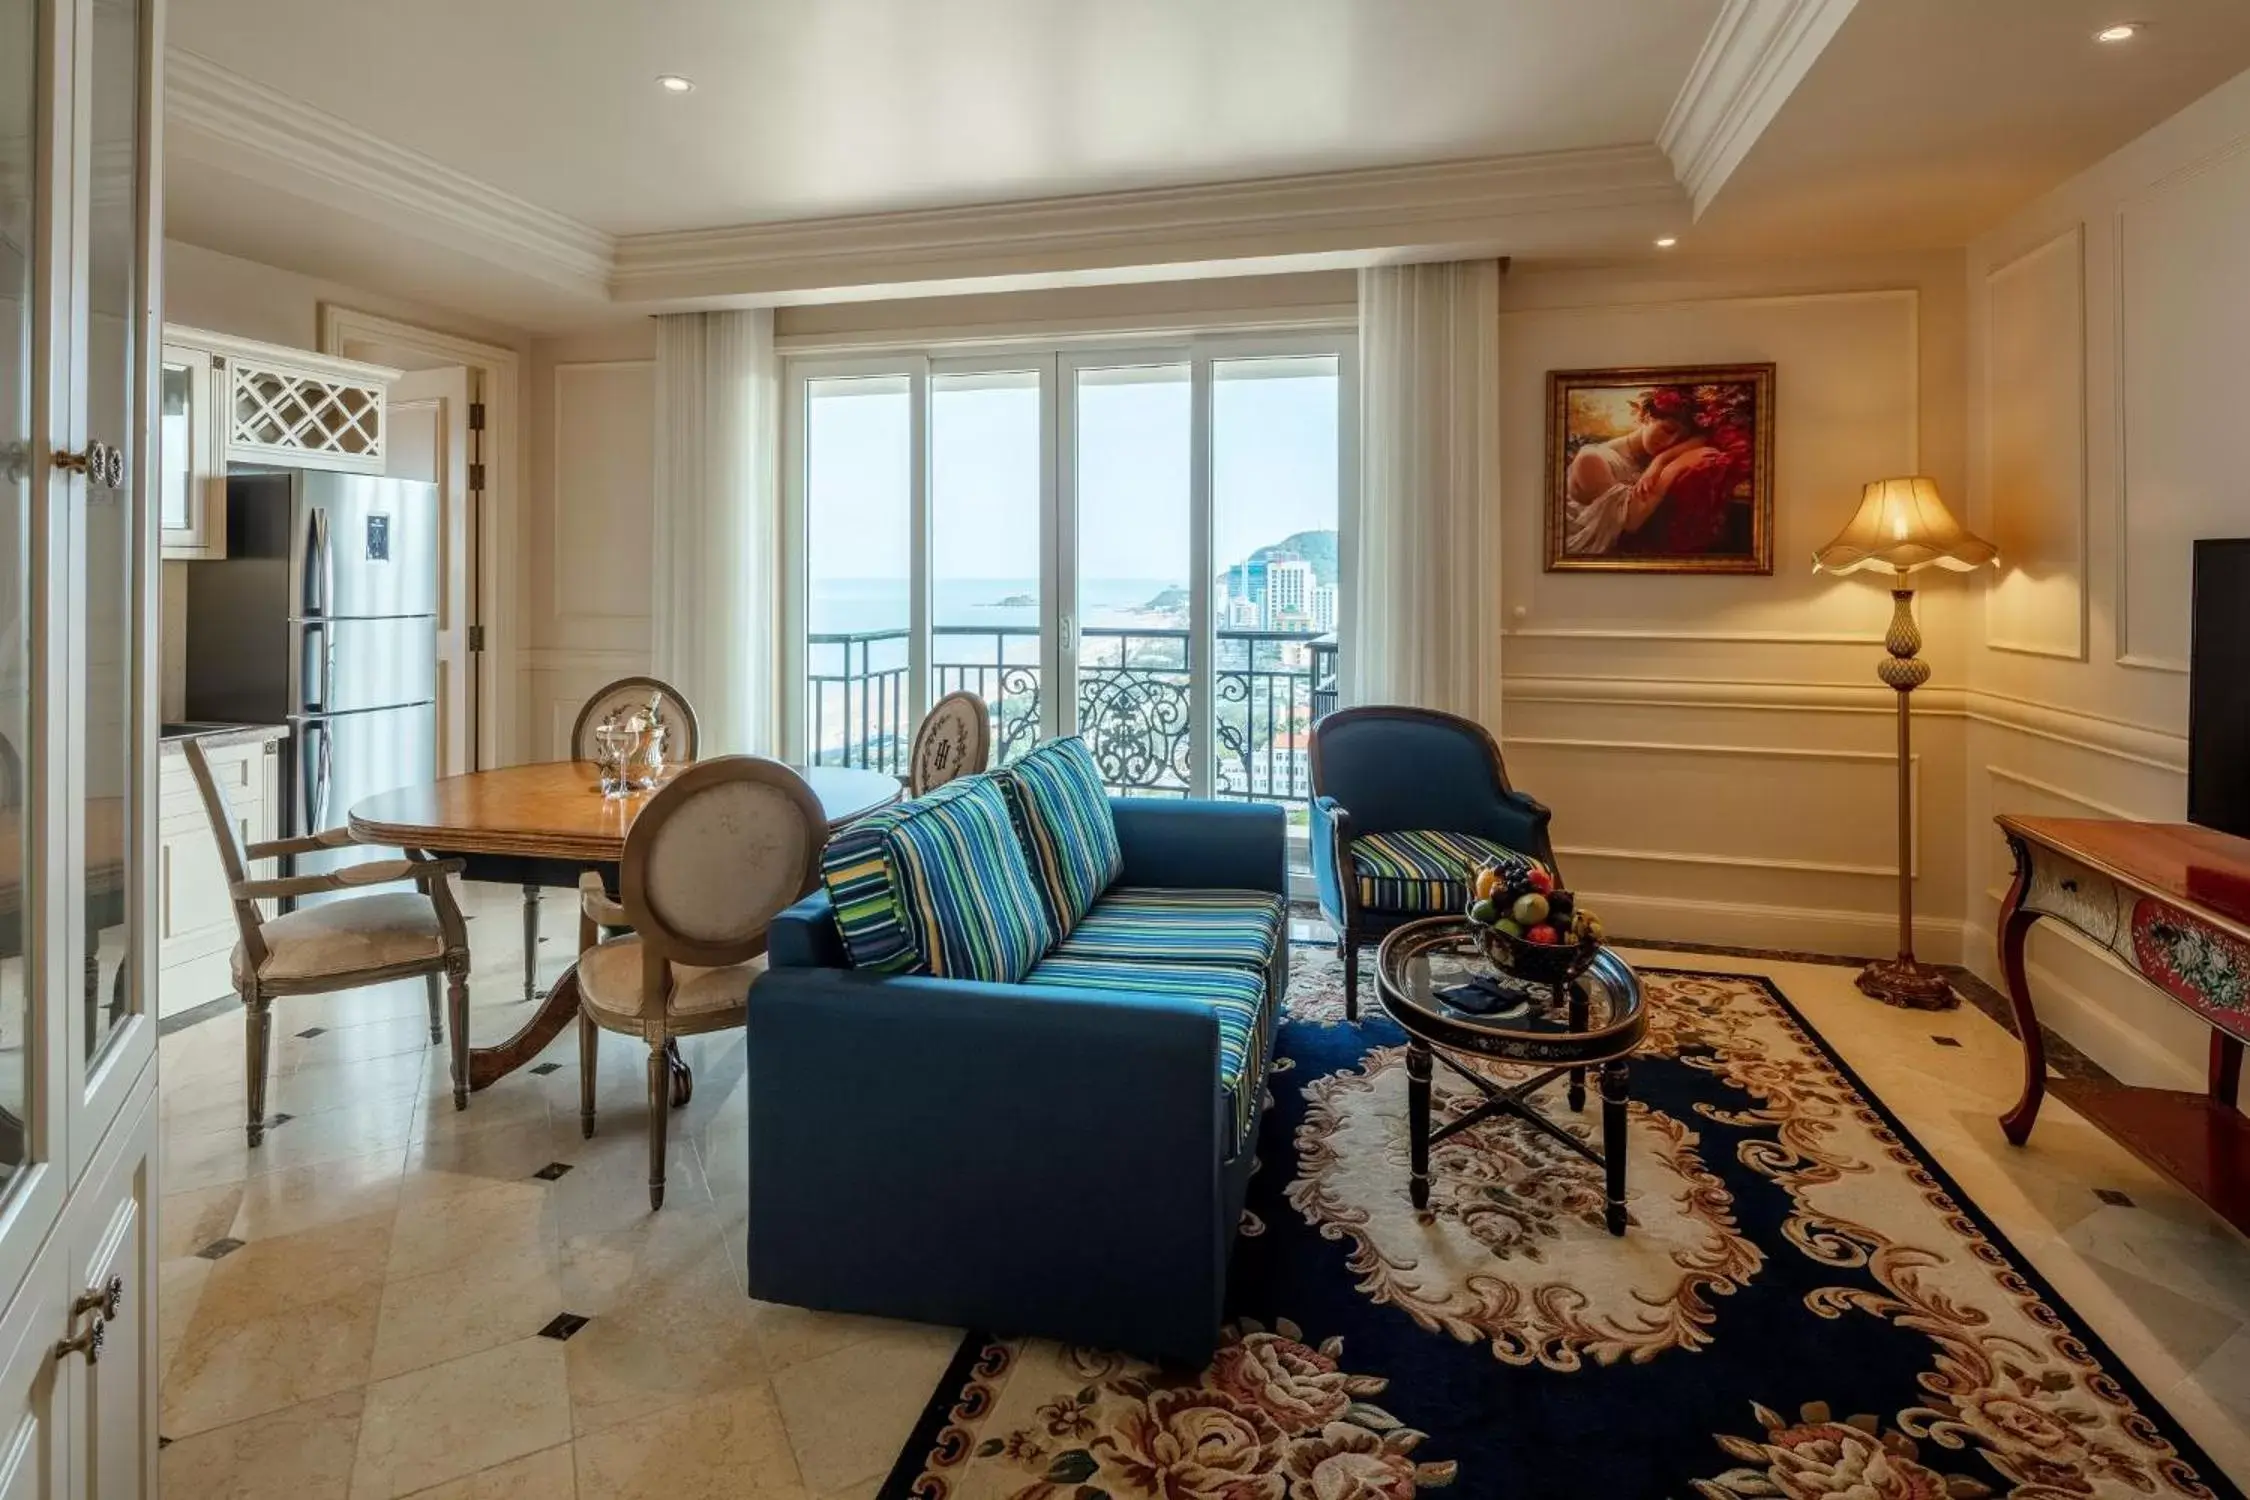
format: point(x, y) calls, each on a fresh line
point(1660, 469)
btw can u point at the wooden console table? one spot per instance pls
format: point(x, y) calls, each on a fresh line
point(2173, 901)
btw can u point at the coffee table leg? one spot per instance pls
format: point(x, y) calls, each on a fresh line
point(1418, 1121)
point(1614, 1084)
point(1577, 1024)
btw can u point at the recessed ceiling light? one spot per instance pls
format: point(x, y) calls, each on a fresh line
point(673, 83)
point(1667, 242)
point(2123, 31)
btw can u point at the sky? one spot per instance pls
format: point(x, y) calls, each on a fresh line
point(1274, 457)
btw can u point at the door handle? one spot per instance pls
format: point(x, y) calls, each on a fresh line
point(88, 1343)
point(102, 463)
point(320, 579)
point(108, 1299)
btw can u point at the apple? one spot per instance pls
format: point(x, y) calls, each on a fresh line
point(1539, 880)
point(1542, 934)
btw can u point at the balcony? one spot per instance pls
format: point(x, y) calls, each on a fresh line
point(1133, 702)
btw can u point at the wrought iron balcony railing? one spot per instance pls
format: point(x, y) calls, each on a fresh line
point(1133, 701)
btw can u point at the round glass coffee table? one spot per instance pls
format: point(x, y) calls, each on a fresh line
point(1424, 973)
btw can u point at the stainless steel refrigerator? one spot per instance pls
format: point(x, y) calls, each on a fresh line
point(323, 616)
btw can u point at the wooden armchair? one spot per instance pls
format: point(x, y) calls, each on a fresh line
point(339, 944)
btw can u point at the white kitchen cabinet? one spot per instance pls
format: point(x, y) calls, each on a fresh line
point(195, 930)
point(191, 475)
point(80, 224)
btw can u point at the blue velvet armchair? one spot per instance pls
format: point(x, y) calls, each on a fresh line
point(1406, 803)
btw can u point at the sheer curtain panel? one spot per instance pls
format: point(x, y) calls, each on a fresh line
point(1425, 623)
point(718, 535)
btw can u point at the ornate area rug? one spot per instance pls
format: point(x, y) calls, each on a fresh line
point(1803, 1305)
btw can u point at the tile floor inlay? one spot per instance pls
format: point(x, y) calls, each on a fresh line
point(370, 1329)
point(1946, 1041)
point(552, 1172)
point(563, 1326)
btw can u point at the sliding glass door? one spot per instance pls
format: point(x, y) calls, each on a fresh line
point(1140, 546)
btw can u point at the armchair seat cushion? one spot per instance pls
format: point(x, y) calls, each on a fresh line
point(609, 977)
point(1423, 871)
point(1237, 997)
point(357, 935)
point(1142, 924)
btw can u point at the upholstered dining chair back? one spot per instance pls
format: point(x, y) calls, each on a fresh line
point(681, 735)
point(720, 850)
point(1398, 768)
point(953, 740)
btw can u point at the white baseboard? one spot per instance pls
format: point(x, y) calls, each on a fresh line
point(1801, 929)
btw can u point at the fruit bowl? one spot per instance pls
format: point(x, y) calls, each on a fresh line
point(1535, 963)
point(1530, 928)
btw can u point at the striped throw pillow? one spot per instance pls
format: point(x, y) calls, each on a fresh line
point(1062, 815)
point(939, 886)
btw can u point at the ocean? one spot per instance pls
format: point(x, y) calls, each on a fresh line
point(854, 605)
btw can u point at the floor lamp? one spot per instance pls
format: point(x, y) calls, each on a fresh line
point(1903, 525)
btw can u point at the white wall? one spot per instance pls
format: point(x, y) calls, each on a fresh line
point(592, 433)
point(2107, 327)
point(1718, 751)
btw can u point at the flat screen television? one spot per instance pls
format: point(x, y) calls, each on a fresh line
point(2219, 688)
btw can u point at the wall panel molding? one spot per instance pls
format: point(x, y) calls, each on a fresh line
point(2022, 460)
point(2059, 793)
point(587, 520)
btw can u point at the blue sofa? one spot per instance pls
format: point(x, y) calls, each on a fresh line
point(1045, 1157)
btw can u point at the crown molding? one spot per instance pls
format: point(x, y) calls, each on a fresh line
point(1490, 205)
point(1755, 55)
point(225, 120)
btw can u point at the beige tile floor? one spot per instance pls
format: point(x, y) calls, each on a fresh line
point(377, 1331)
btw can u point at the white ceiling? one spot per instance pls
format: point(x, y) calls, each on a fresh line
point(808, 108)
point(515, 158)
point(1926, 122)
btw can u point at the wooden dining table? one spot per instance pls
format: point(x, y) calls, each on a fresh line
point(546, 825)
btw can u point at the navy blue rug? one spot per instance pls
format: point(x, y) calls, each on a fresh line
point(1803, 1306)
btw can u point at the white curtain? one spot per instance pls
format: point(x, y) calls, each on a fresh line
point(718, 526)
point(1425, 618)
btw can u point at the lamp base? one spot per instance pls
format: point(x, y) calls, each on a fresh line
point(1907, 982)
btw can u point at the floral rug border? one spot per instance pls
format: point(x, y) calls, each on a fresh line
point(962, 1392)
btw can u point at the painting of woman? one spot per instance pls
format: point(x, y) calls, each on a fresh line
point(1661, 470)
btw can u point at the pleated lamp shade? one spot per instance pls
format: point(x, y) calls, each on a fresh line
point(1903, 524)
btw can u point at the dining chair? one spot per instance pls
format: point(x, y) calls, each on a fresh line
point(343, 944)
point(682, 738)
point(720, 851)
point(953, 739)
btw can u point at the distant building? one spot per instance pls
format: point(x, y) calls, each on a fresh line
point(1289, 587)
point(1324, 607)
point(1247, 581)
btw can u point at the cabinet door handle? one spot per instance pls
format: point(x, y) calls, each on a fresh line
point(107, 1299)
point(102, 463)
point(88, 1343)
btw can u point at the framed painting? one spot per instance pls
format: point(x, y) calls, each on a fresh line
point(1661, 469)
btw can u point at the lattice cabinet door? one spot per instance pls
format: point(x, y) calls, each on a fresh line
point(303, 417)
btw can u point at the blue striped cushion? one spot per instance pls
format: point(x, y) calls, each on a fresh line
point(1141, 923)
point(1423, 870)
point(1062, 815)
point(1237, 997)
point(939, 886)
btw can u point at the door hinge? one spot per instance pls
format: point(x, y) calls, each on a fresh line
point(476, 416)
point(476, 476)
point(476, 637)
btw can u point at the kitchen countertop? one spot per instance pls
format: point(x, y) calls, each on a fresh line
point(217, 736)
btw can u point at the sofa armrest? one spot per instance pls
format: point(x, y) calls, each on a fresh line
point(1521, 822)
point(938, 1149)
point(805, 937)
point(1187, 845)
